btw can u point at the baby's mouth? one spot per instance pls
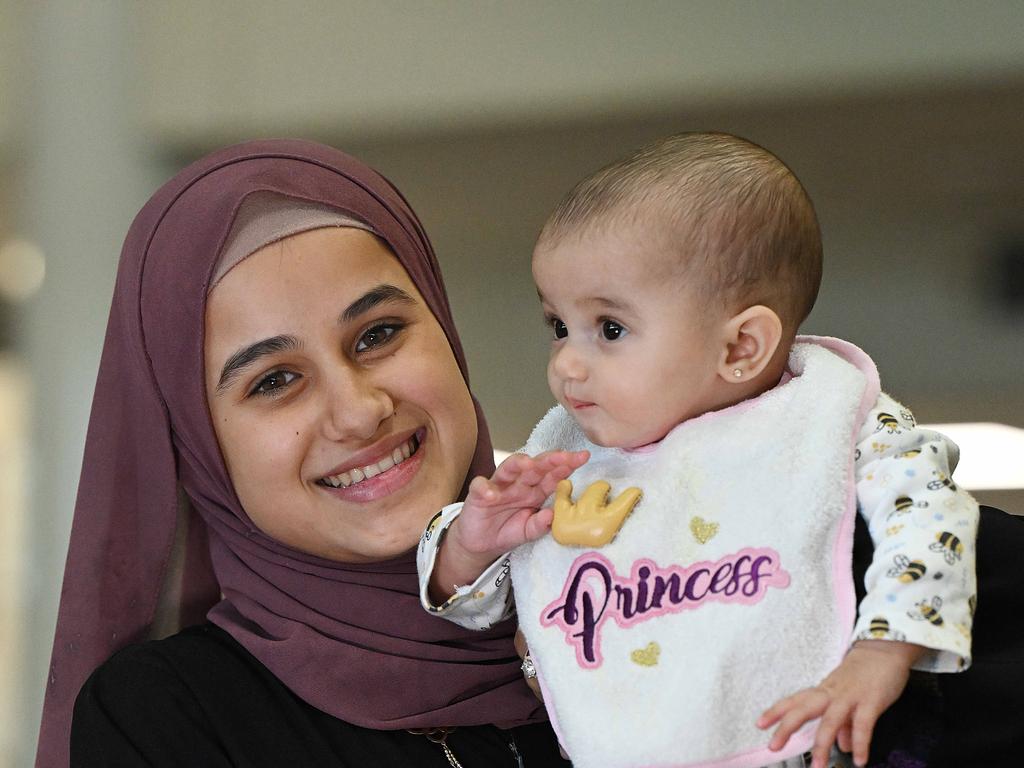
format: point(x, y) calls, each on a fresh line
point(359, 474)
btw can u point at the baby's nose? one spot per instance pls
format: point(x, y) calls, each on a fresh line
point(569, 363)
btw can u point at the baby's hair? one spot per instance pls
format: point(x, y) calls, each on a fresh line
point(738, 220)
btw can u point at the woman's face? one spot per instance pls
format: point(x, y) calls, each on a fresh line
point(337, 402)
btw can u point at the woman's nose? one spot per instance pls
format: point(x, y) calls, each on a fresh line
point(355, 406)
point(568, 362)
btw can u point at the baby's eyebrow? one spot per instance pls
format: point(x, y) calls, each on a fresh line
point(613, 304)
point(246, 356)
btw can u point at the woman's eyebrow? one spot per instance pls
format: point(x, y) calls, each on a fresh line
point(246, 356)
point(381, 294)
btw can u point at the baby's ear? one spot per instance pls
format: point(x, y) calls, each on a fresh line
point(752, 339)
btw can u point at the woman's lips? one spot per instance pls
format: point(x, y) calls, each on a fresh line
point(378, 479)
point(369, 471)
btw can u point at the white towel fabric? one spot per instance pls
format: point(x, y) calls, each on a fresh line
point(761, 496)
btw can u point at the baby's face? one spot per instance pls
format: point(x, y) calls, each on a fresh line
point(633, 351)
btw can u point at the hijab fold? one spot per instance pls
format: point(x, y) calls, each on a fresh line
point(350, 639)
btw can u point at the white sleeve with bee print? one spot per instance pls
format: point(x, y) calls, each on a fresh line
point(921, 583)
point(479, 605)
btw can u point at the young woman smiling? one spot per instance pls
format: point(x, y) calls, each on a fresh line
point(281, 363)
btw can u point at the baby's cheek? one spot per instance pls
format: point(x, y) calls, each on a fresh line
point(554, 383)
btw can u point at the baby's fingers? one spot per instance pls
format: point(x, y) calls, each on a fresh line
point(835, 718)
point(845, 738)
point(481, 492)
point(558, 466)
point(774, 713)
point(797, 710)
point(538, 524)
point(518, 467)
point(864, 719)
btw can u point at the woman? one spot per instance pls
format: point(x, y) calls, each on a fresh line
point(280, 353)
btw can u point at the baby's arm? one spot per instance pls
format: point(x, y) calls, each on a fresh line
point(912, 509)
point(498, 515)
point(921, 583)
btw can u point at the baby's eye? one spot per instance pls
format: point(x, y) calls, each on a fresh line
point(273, 383)
point(377, 335)
point(611, 330)
point(559, 328)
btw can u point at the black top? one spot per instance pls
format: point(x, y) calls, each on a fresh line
point(971, 718)
point(199, 698)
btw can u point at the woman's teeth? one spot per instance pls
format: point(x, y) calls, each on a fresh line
point(353, 476)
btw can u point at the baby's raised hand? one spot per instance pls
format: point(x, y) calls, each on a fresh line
point(507, 510)
point(592, 521)
point(499, 514)
point(849, 701)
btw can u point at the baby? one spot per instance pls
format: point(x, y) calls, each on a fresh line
point(674, 282)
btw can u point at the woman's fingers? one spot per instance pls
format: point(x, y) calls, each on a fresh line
point(520, 643)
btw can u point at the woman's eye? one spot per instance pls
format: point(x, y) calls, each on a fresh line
point(273, 383)
point(376, 336)
point(559, 328)
point(611, 330)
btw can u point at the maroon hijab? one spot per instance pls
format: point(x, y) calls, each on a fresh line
point(350, 639)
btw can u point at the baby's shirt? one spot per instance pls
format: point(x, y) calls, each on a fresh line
point(921, 582)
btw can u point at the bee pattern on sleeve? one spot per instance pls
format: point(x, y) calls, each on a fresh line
point(921, 583)
point(479, 605)
point(906, 570)
point(922, 524)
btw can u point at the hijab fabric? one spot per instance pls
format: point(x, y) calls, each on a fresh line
point(350, 639)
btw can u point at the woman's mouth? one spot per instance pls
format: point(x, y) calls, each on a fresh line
point(358, 475)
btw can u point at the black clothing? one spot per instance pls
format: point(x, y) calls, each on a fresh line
point(199, 698)
point(972, 718)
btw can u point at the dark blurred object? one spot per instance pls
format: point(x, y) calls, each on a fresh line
point(1010, 274)
point(972, 718)
point(6, 325)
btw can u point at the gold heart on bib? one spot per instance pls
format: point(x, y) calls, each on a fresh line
point(646, 657)
point(702, 530)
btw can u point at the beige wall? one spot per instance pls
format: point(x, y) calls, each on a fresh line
point(365, 66)
point(914, 191)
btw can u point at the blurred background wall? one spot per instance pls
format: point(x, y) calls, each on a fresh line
point(905, 121)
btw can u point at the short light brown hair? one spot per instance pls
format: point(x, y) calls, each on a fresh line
point(736, 217)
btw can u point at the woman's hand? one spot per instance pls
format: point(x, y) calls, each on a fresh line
point(849, 701)
point(523, 651)
point(499, 514)
point(532, 682)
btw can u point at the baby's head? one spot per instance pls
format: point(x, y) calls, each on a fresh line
point(674, 281)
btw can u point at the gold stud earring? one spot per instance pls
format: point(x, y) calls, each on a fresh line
point(737, 373)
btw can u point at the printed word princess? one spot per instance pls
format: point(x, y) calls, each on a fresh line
point(594, 592)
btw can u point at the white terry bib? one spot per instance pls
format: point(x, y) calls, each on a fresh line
point(727, 588)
